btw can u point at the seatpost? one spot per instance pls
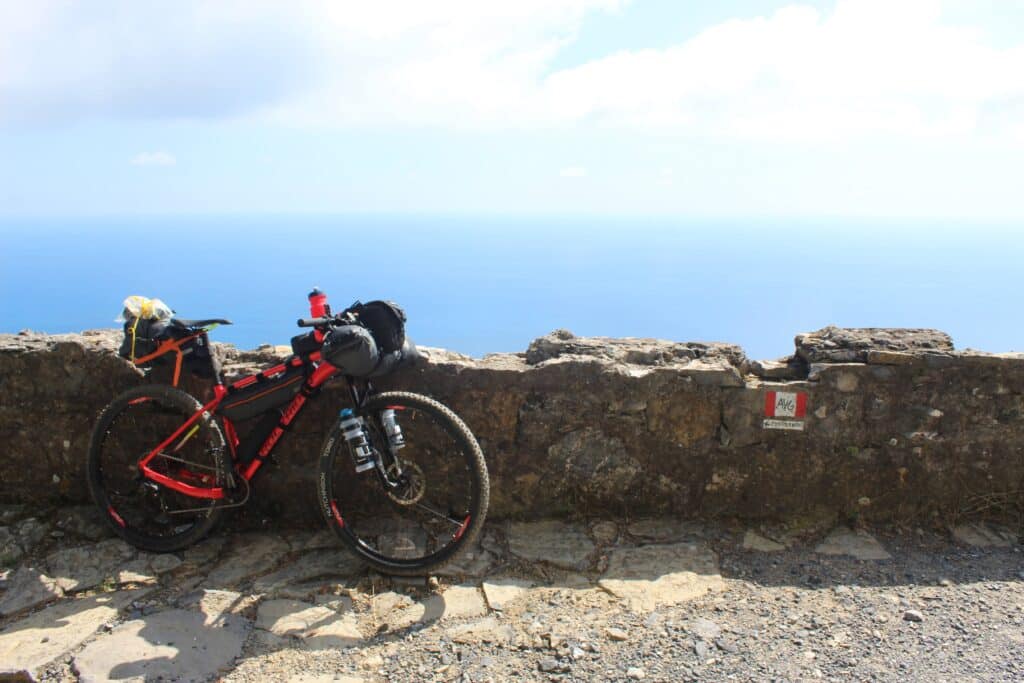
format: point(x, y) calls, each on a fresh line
point(318, 308)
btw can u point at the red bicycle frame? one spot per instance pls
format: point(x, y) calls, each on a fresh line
point(322, 372)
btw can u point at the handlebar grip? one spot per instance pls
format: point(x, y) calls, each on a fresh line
point(313, 322)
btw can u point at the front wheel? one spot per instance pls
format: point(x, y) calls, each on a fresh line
point(425, 497)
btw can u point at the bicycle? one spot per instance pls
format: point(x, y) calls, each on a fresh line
point(401, 479)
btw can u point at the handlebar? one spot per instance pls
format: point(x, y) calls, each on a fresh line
point(314, 322)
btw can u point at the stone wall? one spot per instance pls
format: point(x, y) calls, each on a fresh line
point(899, 426)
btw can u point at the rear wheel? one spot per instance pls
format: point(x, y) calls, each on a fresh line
point(422, 503)
point(148, 515)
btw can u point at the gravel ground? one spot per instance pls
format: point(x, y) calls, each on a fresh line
point(937, 610)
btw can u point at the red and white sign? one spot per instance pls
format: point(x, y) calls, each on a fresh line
point(785, 404)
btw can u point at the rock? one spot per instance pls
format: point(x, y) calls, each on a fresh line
point(604, 533)
point(705, 629)
point(472, 562)
point(845, 345)
point(486, 630)
point(396, 611)
point(552, 665)
point(135, 571)
point(913, 615)
point(629, 350)
point(858, 544)
point(635, 673)
point(755, 541)
point(10, 549)
point(500, 593)
point(28, 588)
point(726, 645)
point(167, 562)
point(456, 602)
point(981, 535)
point(560, 544)
point(335, 563)
point(169, 645)
point(31, 643)
point(85, 521)
point(251, 555)
point(648, 577)
point(205, 551)
point(617, 634)
point(30, 532)
point(88, 566)
point(790, 368)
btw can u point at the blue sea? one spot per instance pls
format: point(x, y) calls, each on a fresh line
point(480, 284)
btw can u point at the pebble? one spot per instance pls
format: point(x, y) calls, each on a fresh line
point(913, 615)
point(552, 665)
point(616, 634)
point(636, 673)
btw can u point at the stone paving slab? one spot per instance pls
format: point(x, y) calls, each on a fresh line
point(563, 545)
point(649, 577)
point(858, 544)
point(26, 589)
point(29, 644)
point(501, 593)
point(77, 569)
point(250, 556)
point(318, 626)
point(174, 645)
point(339, 562)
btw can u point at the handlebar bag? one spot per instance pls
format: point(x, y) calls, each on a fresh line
point(406, 357)
point(386, 322)
point(258, 398)
point(352, 349)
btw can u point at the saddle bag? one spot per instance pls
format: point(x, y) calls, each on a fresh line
point(265, 394)
point(141, 337)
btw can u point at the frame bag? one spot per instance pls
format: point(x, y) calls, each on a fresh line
point(263, 395)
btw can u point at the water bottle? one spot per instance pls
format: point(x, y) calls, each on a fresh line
point(352, 428)
point(392, 429)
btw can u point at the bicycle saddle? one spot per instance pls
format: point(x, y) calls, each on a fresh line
point(183, 322)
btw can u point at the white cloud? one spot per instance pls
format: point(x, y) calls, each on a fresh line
point(573, 172)
point(867, 68)
point(153, 159)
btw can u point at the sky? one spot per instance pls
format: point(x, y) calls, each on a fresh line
point(733, 108)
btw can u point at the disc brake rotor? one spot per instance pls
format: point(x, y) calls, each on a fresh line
point(413, 486)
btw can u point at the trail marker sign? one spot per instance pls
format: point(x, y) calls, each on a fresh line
point(791, 405)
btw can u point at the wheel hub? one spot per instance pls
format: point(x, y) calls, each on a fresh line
point(412, 484)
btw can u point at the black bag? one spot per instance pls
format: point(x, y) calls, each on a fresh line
point(305, 344)
point(407, 356)
point(141, 337)
point(352, 349)
point(263, 395)
point(386, 322)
